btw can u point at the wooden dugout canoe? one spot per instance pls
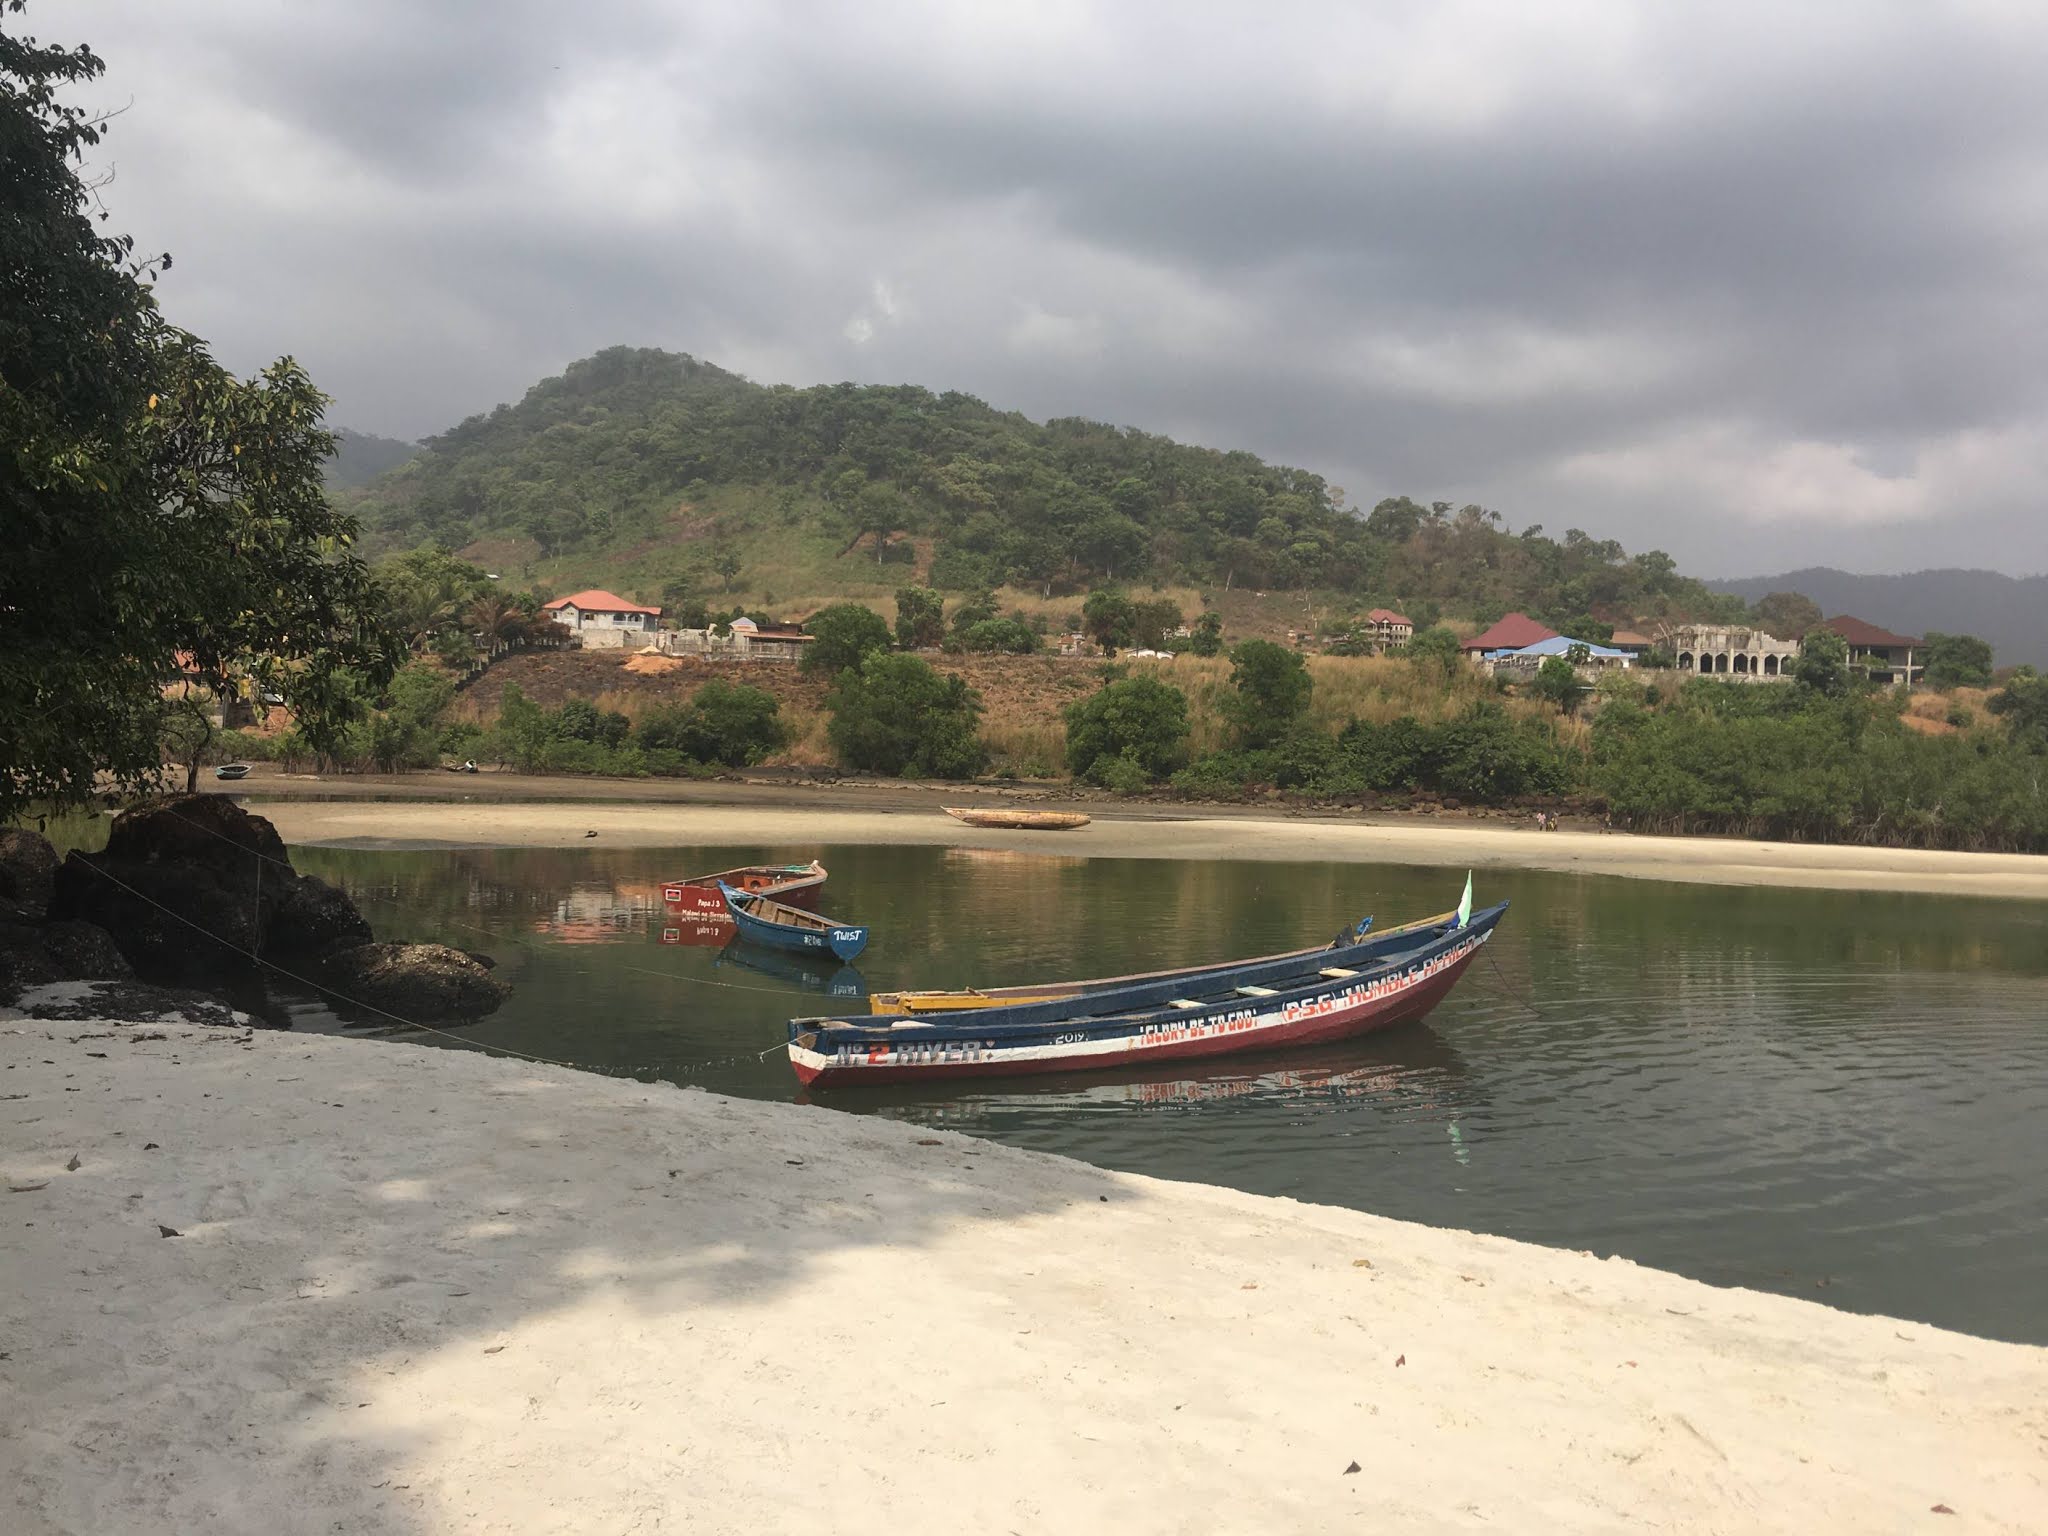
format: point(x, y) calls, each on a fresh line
point(1024, 821)
point(1304, 998)
point(764, 920)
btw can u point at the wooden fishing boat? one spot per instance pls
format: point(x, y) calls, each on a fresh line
point(794, 885)
point(966, 998)
point(763, 920)
point(1026, 821)
point(1304, 998)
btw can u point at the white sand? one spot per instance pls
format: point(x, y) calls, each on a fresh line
point(423, 1291)
point(1451, 842)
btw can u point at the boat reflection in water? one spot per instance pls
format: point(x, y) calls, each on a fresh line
point(814, 972)
point(1411, 1067)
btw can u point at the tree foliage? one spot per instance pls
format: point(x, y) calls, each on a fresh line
point(1957, 661)
point(155, 506)
point(731, 724)
point(896, 715)
point(844, 634)
point(1271, 689)
point(1141, 721)
point(920, 618)
point(1823, 664)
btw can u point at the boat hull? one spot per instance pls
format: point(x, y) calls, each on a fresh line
point(1018, 821)
point(845, 940)
point(697, 897)
point(1340, 1013)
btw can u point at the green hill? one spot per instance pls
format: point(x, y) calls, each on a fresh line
point(638, 468)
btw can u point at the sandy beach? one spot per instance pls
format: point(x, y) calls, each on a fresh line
point(737, 814)
point(419, 1290)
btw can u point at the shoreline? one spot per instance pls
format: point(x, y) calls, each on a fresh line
point(423, 1290)
point(397, 813)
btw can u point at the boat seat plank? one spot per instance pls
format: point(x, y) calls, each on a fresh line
point(1183, 1002)
point(1250, 991)
point(1338, 973)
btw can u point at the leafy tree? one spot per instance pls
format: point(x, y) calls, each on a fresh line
point(1152, 622)
point(2023, 703)
point(189, 732)
point(1435, 645)
point(427, 594)
point(728, 723)
point(1787, 615)
point(920, 618)
point(1823, 663)
point(1558, 681)
point(1136, 720)
point(726, 561)
point(1272, 688)
point(1108, 618)
point(406, 732)
point(1110, 542)
point(976, 608)
point(1957, 661)
point(1208, 635)
point(844, 634)
point(158, 505)
point(896, 715)
point(1011, 635)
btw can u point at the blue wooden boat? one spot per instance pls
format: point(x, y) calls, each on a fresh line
point(763, 920)
point(1305, 998)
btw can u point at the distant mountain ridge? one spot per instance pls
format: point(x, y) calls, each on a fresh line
point(360, 457)
point(2009, 611)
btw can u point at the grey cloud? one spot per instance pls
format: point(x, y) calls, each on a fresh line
point(1760, 288)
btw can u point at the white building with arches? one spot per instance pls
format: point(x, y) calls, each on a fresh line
point(1733, 652)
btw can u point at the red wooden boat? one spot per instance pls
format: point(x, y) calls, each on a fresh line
point(1297, 999)
point(794, 885)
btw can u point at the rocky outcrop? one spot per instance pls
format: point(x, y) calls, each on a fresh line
point(195, 891)
point(313, 919)
point(28, 870)
point(424, 983)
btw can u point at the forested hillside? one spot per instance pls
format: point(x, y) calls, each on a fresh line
point(640, 468)
point(360, 457)
point(2011, 613)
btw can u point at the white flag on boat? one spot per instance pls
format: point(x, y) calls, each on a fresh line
point(1465, 904)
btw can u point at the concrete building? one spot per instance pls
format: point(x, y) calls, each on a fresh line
point(1732, 651)
point(1390, 628)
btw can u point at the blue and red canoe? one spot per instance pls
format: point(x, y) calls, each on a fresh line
point(1309, 997)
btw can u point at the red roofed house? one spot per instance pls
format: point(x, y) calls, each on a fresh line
point(1514, 631)
point(1884, 655)
point(603, 619)
point(1389, 627)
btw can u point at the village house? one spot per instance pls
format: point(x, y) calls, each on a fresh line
point(1514, 631)
point(1524, 662)
point(1884, 655)
point(1733, 651)
point(1389, 628)
point(603, 620)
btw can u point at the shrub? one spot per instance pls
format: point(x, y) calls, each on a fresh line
point(728, 723)
point(1120, 775)
point(1136, 720)
point(1272, 691)
point(1207, 639)
point(920, 617)
point(1008, 635)
point(896, 715)
point(844, 634)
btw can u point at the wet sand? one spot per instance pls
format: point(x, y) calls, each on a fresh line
point(480, 813)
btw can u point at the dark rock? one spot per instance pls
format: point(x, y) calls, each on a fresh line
point(127, 1002)
point(174, 923)
point(314, 919)
point(207, 832)
point(36, 954)
point(28, 867)
point(194, 887)
point(427, 983)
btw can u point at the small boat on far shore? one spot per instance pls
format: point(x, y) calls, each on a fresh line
point(764, 920)
point(1024, 821)
point(795, 885)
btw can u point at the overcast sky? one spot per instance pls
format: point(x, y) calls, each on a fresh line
point(1763, 284)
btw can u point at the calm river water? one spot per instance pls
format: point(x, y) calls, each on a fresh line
point(1838, 1096)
